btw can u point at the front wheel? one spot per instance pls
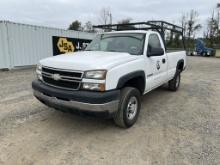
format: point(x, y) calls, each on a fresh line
point(129, 107)
point(175, 82)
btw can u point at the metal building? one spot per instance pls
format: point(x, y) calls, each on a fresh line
point(24, 45)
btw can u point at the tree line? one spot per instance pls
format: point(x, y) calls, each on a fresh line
point(189, 21)
point(191, 25)
point(105, 17)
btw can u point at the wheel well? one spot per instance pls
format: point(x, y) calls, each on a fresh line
point(180, 65)
point(137, 82)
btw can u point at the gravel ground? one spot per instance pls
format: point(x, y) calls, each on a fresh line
point(173, 128)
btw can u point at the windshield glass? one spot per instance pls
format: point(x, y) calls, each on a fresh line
point(132, 43)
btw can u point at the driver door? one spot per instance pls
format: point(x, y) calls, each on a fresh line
point(156, 62)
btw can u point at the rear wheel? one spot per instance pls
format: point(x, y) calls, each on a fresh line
point(175, 82)
point(129, 107)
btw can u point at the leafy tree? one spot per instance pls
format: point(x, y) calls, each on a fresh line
point(76, 25)
point(124, 26)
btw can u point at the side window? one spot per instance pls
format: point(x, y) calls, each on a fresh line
point(153, 42)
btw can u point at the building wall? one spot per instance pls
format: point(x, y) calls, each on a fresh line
point(217, 53)
point(23, 45)
point(4, 57)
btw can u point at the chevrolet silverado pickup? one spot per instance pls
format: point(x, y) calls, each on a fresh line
point(116, 68)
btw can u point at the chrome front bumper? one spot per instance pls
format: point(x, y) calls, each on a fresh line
point(55, 102)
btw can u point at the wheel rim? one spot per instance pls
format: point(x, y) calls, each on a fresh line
point(132, 108)
point(177, 81)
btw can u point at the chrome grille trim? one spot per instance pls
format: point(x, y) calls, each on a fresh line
point(63, 78)
point(66, 70)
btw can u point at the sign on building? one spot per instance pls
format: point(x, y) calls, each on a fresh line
point(62, 45)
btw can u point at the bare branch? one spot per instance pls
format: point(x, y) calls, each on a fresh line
point(105, 16)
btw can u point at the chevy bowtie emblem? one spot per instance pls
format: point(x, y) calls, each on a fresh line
point(56, 77)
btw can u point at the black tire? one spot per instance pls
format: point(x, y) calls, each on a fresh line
point(122, 117)
point(175, 82)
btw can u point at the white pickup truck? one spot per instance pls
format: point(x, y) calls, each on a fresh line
point(109, 77)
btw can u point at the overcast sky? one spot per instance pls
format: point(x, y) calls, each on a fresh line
point(60, 13)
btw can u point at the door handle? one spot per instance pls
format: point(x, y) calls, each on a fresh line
point(163, 60)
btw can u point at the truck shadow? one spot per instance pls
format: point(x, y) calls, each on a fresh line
point(71, 121)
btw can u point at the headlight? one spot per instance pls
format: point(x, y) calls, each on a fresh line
point(39, 71)
point(94, 86)
point(96, 74)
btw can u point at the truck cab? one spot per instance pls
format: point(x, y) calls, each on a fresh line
point(109, 77)
point(201, 49)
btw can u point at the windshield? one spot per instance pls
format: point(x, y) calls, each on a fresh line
point(132, 43)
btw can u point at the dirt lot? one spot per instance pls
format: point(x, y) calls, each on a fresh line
point(173, 128)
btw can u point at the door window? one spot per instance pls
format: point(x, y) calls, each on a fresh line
point(153, 42)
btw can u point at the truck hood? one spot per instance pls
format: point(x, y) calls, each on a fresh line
point(88, 60)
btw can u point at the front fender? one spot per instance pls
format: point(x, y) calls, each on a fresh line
point(129, 76)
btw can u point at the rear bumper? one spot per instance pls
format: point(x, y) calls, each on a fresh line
point(82, 101)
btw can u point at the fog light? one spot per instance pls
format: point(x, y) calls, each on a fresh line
point(39, 72)
point(39, 76)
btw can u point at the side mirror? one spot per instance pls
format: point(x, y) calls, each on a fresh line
point(155, 52)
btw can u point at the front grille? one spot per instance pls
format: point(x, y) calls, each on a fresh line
point(76, 75)
point(65, 79)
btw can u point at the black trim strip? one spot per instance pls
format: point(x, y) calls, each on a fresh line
point(130, 76)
